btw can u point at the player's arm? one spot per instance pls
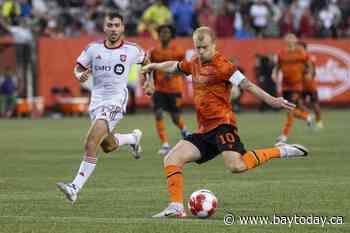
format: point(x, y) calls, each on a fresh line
point(167, 66)
point(148, 84)
point(279, 102)
point(81, 74)
point(310, 69)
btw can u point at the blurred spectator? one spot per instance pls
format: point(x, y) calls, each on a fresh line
point(19, 30)
point(8, 93)
point(10, 9)
point(224, 21)
point(183, 15)
point(26, 8)
point(329, 19)
point(205, 16)
point(241, 25)
point(298, 19)
point(73, 18)
point(155, 15)
point(260, 14)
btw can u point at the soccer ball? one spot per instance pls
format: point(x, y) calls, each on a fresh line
point(202, 203)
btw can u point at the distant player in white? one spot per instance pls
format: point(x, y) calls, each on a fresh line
point(107, 63)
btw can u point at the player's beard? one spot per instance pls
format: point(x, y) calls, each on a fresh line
point(113, 39)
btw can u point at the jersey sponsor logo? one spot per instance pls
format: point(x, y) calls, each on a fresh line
point(123, 57)
point(119, 69)
point(98, 57)
point(103, 68)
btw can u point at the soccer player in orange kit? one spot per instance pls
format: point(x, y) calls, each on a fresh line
point(213, 76)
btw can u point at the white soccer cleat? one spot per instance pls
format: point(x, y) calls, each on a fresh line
point(292, 150)
point(173, 210)
point(164, 149)
point(281, 139)
point(69, 190)
point(136, 149)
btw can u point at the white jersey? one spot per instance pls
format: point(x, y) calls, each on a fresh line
point(110, 68)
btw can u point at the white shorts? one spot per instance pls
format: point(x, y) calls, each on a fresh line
point(112, 114)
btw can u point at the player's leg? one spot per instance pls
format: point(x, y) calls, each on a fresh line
point(237, 162)
point(158, 104)
point(112, 141)
point(317, 110)
point(109, 143)
point(301, 111)
point(237, 159)
point(96, 133)
point(174, 108)
point(289, 120)
point(183, 152)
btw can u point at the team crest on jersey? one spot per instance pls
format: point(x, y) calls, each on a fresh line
point(123, 57)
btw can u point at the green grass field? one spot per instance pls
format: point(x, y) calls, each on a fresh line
point(123, 193)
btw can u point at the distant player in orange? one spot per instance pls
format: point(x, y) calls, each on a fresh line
point(213, 76)
point(168, 88)
point(310, 96)
point(293, 62)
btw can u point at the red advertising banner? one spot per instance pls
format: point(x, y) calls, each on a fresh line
point(56, 59)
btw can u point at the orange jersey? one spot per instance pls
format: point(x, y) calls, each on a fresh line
point(211, 91)
point(165, 82)
point(292, 64)
point(309, 85)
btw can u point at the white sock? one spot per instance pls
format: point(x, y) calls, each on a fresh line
point(86, 168)
point(123, 139)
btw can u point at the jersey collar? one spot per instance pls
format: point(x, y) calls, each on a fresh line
point(120, 45)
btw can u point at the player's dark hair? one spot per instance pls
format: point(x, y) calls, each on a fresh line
point(171, 28)
point(114, 14)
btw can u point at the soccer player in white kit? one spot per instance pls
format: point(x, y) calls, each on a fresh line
point(108, 63)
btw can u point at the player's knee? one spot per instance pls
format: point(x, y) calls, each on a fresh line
point(237, 166)
point(172, 159)
point(109, 148)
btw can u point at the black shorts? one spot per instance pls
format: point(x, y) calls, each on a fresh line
point(212, 143)
point(293, 97)
point(170, 102)
point(310, 96)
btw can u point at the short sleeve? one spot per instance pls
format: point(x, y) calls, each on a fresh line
point(85, 58)
point(185, 67)
point(230, 72)
point(140, 56)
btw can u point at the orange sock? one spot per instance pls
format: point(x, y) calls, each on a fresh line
point(181, 124)
point(258, 157)
point(300, 114)
point(288, 124)
point(175, 183)
point(161, 131)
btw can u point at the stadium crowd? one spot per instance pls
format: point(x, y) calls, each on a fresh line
point(242, 19)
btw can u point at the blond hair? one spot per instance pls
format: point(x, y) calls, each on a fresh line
point(200, 32)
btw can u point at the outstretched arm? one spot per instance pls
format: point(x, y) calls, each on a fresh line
point(168, 67)
point(261, 94)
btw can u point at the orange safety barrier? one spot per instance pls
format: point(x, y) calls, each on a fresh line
point(33, 106)
point(57, 58)
point(73, 104)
